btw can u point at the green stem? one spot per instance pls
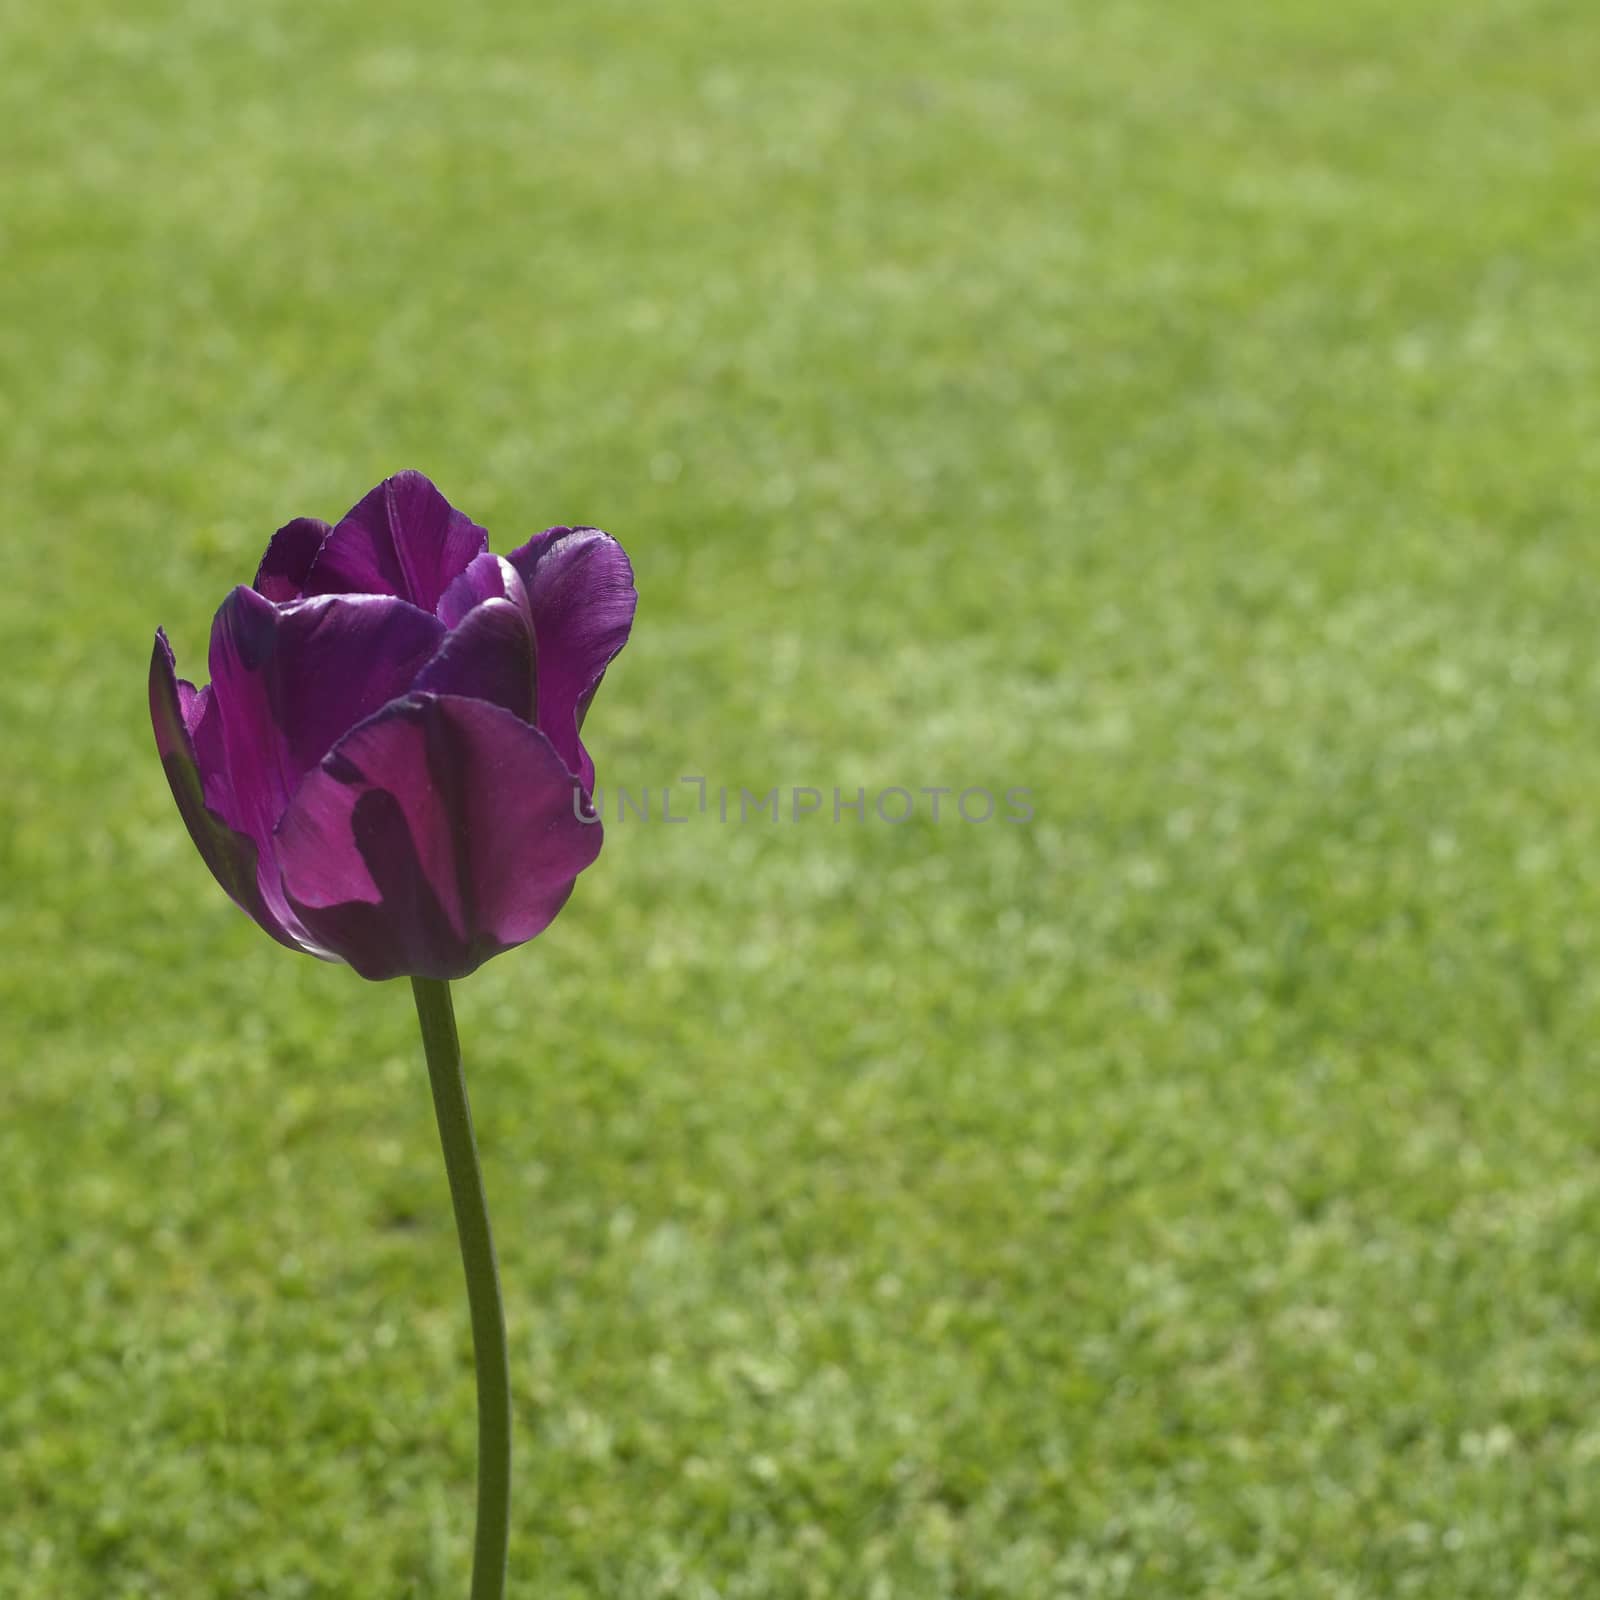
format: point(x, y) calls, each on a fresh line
point(443, 1050)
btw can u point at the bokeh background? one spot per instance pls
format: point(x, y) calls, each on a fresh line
point(1188, 411)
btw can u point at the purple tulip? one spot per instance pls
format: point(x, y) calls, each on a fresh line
point(383, 768)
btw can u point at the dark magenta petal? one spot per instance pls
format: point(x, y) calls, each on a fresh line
point(487, 577)
point(284, 568)
point(489, 657)
point(178, 712)
point(582, 599)
point(288, 681)
point(403, 539)
point(437, 834)
point(205, 733)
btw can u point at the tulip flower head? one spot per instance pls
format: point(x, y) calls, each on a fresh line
point(383, 768)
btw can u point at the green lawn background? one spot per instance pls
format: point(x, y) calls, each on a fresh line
point(1188, 411)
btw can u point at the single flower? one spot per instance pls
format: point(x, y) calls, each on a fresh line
point(382, 768)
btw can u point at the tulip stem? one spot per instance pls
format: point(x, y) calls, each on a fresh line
point(443, 1049)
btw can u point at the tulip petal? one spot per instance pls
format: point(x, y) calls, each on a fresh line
point(489, 657)
point(178, 711)
point(582, 600)
point(437, 834)
point(289, 558)
point(288, 681)
point(486, 577)
point(403, 539)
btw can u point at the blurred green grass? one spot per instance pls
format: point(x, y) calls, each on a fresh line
point(1189, 412)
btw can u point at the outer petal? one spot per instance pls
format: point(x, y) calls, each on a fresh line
point(582, 599)
point(404, 539)
point(176, 711)
point(288, 681)
point(284, 568)
point(440, 832)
